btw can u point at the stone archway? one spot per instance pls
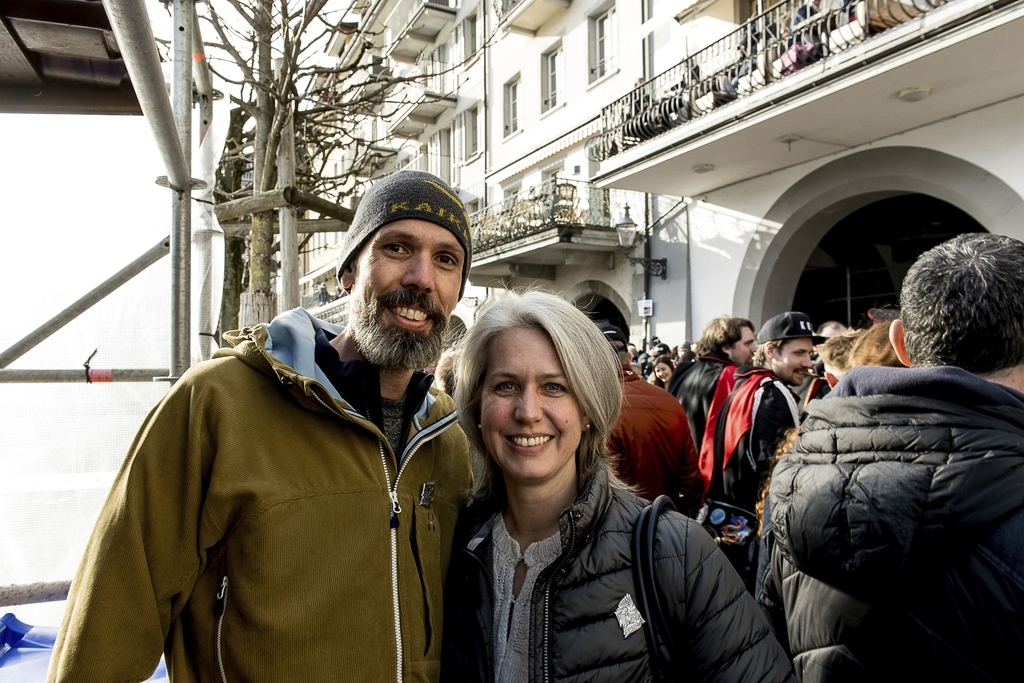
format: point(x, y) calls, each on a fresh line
point(588, 294)
point(774, 260)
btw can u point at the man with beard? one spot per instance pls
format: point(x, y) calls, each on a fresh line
point(750, 425)
point(899, 512)
point(725, 344)
point(286, 511)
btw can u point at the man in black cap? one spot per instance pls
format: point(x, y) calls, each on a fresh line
point(751, 424)
point(651, 438)
point(299, 489)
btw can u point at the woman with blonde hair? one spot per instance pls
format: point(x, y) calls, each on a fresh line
point(540, 585)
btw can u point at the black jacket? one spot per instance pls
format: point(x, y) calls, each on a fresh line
point(898, 518)
point(693, 385)
point(574, 634)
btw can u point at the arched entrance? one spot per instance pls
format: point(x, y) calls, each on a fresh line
point(861, 262)
point(800, 219)
point(602, 303)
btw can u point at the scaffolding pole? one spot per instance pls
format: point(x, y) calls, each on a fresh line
point(88, 375)
point(181, 200)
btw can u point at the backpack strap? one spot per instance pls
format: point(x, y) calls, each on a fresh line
point(660, 643)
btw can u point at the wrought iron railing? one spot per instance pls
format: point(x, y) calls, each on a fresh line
point(772, 45)
point(555, 203)
point(503, 7)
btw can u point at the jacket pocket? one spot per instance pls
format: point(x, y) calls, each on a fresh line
point(425, 546)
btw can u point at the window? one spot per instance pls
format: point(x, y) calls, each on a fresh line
point(512, 106)
point(551, 77)
point(602, 43)
point(469, 36)
point(472, 131)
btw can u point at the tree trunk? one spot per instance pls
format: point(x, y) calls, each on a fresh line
point(234, 268)
point(257, 307)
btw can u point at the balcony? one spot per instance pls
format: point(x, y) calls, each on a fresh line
point(438, 164)
point(527, 16)
point(423, 99)
point(416, 24)
point(554, 223)
point(796, 83)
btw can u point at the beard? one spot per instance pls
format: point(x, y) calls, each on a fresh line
point(391, 347)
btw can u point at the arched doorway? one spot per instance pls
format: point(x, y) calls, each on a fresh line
point(605, 311)
point(860, 263)
point(800, 219)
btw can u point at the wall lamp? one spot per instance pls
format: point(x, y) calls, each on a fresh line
point(627, 232)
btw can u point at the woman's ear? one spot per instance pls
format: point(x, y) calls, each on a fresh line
point(898, 339)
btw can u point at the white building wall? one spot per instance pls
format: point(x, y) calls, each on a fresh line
point(732, 220)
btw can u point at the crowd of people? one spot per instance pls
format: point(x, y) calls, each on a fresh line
point(310, 505)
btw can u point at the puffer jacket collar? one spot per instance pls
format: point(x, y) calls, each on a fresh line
point(575, 523)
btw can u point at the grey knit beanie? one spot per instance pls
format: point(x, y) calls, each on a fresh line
point(407, 194)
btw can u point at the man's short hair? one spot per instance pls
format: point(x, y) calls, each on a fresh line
point(963, 306)
point(721, 333)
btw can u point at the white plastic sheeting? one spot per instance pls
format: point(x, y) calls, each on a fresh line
point(207, 245)
point(80, 203)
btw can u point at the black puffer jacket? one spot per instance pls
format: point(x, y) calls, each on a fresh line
point(575, 635)
point(693, 385)
point(898, 520)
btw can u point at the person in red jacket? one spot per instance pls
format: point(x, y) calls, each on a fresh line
point(652, 437)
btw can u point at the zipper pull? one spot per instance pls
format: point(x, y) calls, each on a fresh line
point(395, 508)
point(222, 598)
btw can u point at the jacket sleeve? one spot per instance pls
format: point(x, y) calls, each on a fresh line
point(691, 481)
point(721, 633)
point(141, 561)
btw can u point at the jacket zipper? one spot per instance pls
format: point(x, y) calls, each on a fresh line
point(394, 508)
point(220, 609)
point(547, 597)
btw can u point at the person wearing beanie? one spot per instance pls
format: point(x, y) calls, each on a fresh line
point(300, 488)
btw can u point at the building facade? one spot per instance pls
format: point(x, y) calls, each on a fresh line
point(793, 155)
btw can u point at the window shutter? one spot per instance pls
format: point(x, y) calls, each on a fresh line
point(560, 76)
point(434, 154)
point(458, 147)
point(458, 45)
point(613, 41)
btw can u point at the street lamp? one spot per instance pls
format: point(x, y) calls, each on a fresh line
point(626, 231)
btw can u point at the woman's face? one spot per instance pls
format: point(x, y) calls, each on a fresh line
point(663, 371)
point(530, 422)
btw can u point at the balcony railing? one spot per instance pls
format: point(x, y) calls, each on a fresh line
point(503, 7)
point(772, 45)
point(553, 204)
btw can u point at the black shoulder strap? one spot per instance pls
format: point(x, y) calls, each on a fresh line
point(660, 643)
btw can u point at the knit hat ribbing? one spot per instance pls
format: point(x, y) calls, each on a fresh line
point(407, 194)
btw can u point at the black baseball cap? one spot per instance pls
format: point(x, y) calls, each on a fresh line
point(613, 334)
point(789, 325)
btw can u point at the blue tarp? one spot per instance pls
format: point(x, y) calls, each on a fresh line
point(25, 652)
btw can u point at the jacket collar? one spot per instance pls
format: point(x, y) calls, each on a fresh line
point(575, 523)
point(286, 351)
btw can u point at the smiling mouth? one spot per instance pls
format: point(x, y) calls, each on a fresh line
point(410, 313)
point(530, 440)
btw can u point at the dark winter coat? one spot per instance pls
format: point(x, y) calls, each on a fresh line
point(898, 518)
point(693, 385)
point(574, 633)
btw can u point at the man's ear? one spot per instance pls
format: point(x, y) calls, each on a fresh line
point(348, 278)
point(898, 339)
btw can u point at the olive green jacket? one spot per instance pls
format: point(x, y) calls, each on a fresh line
point(249, 533)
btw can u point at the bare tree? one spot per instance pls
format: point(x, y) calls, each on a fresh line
point(329, 100)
